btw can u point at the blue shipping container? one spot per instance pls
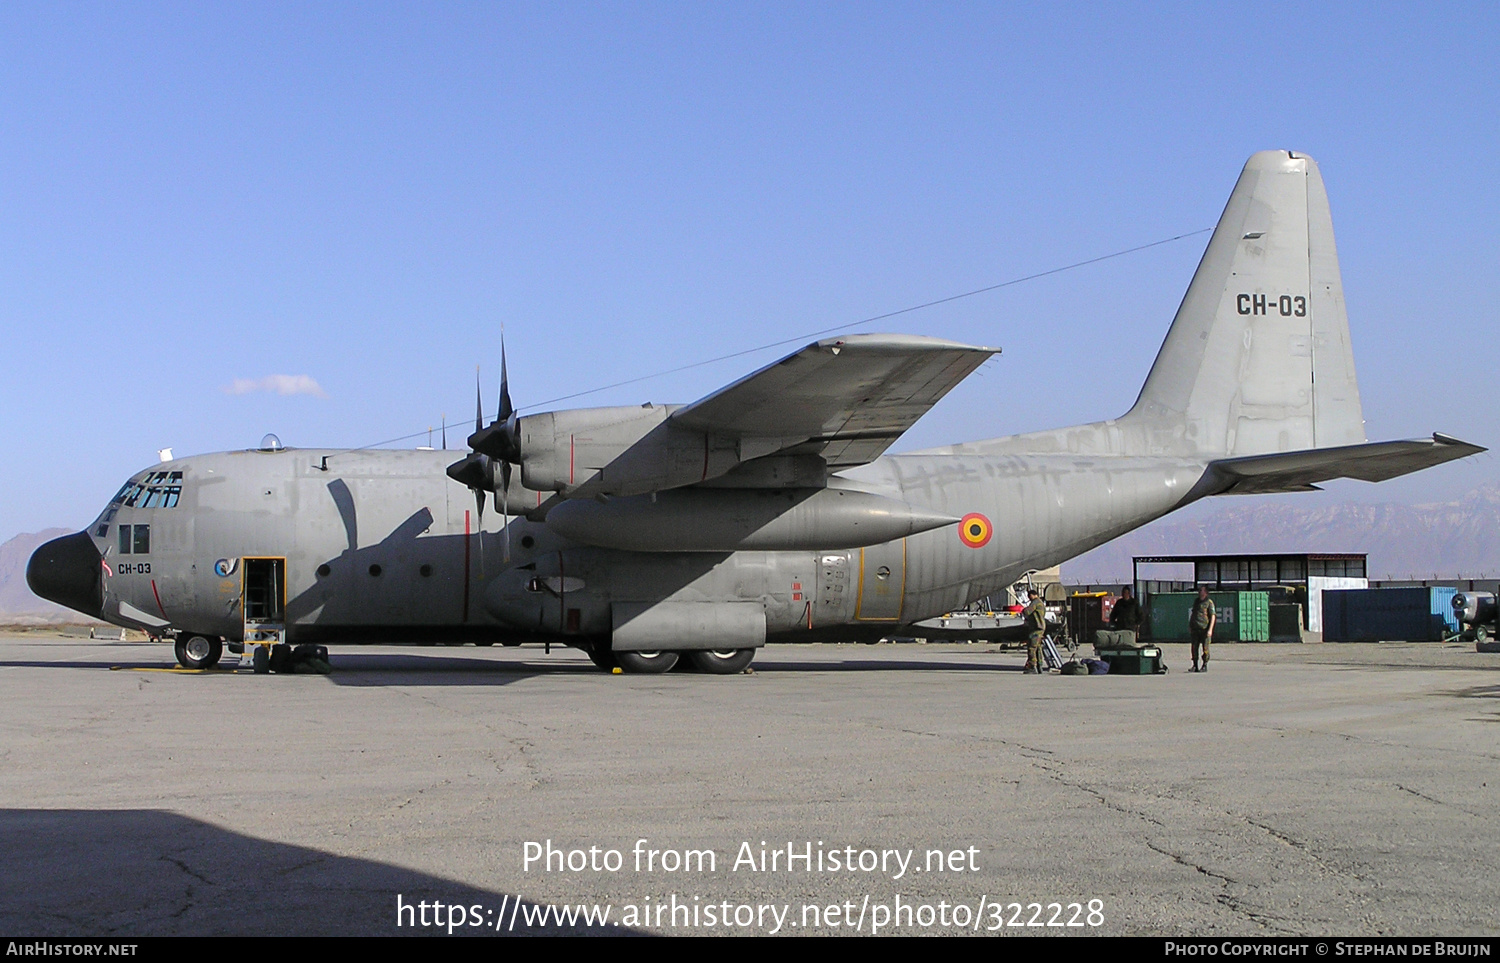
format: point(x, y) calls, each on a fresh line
point(1388, 615)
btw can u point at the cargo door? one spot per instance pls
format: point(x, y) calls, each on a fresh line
point(882, 582)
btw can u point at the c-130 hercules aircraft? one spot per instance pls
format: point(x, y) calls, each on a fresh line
point(766, 511)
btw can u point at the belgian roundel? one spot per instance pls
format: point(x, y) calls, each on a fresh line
point(975, 530)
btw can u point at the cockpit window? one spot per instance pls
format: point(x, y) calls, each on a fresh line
point(160, 489)
point(160, 497)
point(102, 528)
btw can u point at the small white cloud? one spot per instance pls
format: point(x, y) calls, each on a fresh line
point(281, 384)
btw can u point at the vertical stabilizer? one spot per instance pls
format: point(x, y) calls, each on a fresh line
point(1258, 358)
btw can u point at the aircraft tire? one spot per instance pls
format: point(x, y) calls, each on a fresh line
point(726, 662)
point(645, 663)
point(261, 660)
point(198, 651)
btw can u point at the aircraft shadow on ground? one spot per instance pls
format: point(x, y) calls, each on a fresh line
point(135, 872)
point(424, 667)
point(354, 669)
point(782, 664)
point(373, 670)
point(351, 669)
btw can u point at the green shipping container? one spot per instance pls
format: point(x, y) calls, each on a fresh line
point(1241, 616)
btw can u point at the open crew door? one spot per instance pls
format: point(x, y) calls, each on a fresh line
point(263, 600)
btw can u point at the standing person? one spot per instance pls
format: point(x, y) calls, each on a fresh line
point(1035, 615)
point(1126, 615)
point(1201, 622)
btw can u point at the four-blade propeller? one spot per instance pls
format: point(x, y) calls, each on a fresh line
point(494, 449)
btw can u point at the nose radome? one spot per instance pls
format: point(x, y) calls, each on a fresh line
point(67, 571)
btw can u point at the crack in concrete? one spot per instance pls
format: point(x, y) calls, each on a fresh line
point(186, 869)
point(1293, 842)
point(420, 792)
point(1439, 802)
point(1303, 848)
point(1264, 919)
point(1038, 758)
point(1466, 752)
point(1057, 776)
point(1228, 900)
point(1184, 861)
point(302, 865)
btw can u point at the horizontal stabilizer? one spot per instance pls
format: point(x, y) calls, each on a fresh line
point(1299, 471)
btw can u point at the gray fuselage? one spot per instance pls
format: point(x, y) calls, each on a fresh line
point(381, 546)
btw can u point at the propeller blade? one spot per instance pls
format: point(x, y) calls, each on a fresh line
point(501, 440)
point(479, 527)
point(505, 508)
point(478, 404)
point(505, 410)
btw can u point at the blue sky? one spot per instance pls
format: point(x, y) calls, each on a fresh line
point(198, 196)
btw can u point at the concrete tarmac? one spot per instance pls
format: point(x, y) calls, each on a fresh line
point(1292, 790)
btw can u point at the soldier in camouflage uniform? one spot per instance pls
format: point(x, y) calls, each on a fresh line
point(1201, 622)
point(1035, 615)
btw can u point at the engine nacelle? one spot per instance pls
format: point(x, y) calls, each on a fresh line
point(618, 451)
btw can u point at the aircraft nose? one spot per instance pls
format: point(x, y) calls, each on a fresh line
point(67, 571)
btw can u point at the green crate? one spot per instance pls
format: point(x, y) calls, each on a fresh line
point(1145, 661)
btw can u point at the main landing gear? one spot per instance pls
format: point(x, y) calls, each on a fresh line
point(721, 661)
point(708, 661)
point(646, 663)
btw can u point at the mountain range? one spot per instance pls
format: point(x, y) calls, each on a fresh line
point(1441, 540)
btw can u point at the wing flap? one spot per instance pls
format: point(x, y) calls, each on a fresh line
point(847, 399)
point(1297, 471)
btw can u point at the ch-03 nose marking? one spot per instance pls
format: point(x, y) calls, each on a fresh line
point(769, 510)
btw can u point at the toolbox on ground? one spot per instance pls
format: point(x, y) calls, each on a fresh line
point(1142, 661)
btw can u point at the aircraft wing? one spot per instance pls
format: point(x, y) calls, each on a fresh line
point(846, 399)
point(1298, 471)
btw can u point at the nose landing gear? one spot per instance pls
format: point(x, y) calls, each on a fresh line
point(198, 651)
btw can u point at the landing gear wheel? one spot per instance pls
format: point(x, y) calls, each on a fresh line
point(645, 663)
point(601, 657)
point(198, 651)
point(722, 661)
point(1479, 633)
point(262, 659)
